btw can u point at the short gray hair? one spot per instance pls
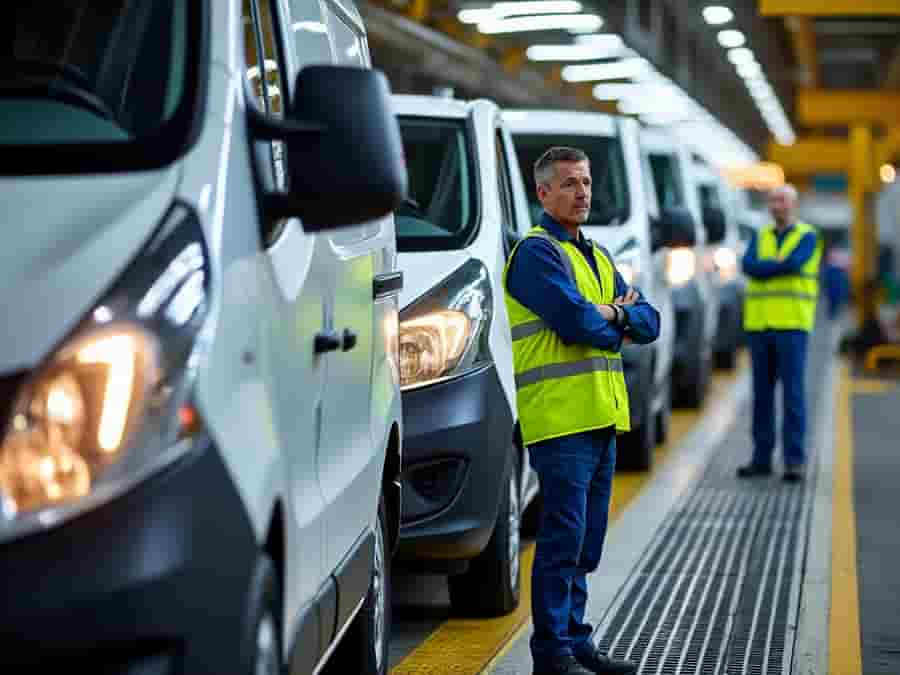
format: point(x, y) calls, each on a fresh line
point(545, 166)
point(788, 190)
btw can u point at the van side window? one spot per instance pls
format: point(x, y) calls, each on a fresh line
point(504, 189)
point(349, 48)
point(265, 77)
point(667, 181)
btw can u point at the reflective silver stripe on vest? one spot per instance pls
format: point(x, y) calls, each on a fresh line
point(556, 371)
point(524, 330)
point(795, 295)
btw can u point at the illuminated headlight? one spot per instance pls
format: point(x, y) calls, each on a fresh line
point(725, 261)
point(444, 333)
point(109, 405)
point(681, 265)
point(630, 269)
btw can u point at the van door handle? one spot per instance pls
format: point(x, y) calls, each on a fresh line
point(349, 341)
point(327, 341)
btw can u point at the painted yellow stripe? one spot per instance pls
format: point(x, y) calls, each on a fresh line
point(844, 649)
point(471, 646)
point(870, 386)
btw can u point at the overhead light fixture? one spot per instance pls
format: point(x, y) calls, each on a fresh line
point(716, 15)
point(580, 23)
point(731, 38)
point(749, 70)
point(740, 55)
point(574, 52)
point(618, 70)
point(501, 10)
point(888, 173)
point(613, 91)
point(602, 41)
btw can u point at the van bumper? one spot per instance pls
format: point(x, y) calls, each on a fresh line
point(154, 582)
point(456, 443)
point(637, 364)
point(690, 333)
point(729, 333)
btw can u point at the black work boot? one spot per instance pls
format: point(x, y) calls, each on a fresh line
point(753, 471)
point(562, 665)
point(601, 664)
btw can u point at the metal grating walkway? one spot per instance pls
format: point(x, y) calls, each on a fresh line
point(717, 591)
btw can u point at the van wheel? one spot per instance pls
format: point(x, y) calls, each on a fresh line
point(664, 416)
point(490, 587)
point(727, 360)
point(639, 443)
point(693, 392)
point(364, 649)
point(264, 638)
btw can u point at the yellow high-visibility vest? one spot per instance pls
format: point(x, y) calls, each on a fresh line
point(566, 389)
point(784, 302)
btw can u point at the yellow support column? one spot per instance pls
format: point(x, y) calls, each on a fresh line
point(861, 179)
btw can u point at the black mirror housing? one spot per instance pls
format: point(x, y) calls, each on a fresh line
point(344, 152)
point(676, 228)
point(714, 222)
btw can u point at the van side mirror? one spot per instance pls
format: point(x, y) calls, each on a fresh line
point(344, 153)
point(674, 228)
point(714, 222)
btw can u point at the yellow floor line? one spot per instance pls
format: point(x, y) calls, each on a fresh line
point(471, 646)
point(844, 648)
point(869, 386)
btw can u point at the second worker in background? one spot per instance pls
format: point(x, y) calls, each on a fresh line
point(570, 312)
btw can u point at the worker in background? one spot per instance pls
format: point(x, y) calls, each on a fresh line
point(782, 262)
point(570, 312)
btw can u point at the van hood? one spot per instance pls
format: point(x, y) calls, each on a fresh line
point(615, 239)
point(67, 239)
point(422, 271)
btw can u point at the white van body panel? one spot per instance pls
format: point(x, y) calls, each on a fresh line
point(78, 242)
point(424, 270)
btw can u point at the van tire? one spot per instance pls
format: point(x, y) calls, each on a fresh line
point(637, 446)
point(692, 392)
point(263, 639)
point(487, 587)
point(663, 418)
point(365, 647)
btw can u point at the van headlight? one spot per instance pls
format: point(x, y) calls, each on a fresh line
point(725, 262)
point(112, 403)
point(444, 333)
point(681, 265)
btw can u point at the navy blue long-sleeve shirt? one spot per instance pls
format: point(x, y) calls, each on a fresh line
point(539, 280)
point(766, 269)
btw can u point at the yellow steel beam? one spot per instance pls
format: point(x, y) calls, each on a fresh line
point(418, 10)
point(513, 60)
point(818, 107)
point(803, 39)
point(861, 179)
point(810, 155)
point(829, 7)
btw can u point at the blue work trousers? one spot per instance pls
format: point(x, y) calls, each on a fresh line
point(779, 355)
point(575, 474)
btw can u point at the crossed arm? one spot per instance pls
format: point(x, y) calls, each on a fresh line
point(538, 279)
point(791, 264)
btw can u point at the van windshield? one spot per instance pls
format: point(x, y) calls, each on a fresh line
point(609, 197)
point(439, 213)
point(110, 73)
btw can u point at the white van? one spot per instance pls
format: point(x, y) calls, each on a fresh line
point(625, 220)
point(199, 381)
point(718, 202)
point(695, 300)
point(466, 479)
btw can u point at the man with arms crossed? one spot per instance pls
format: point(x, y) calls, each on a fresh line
point(779, 313)
point(570, 312)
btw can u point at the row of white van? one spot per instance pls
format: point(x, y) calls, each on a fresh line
point(240, 371)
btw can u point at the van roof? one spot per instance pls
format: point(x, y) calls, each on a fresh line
point(560, 122)
point(430, 106)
